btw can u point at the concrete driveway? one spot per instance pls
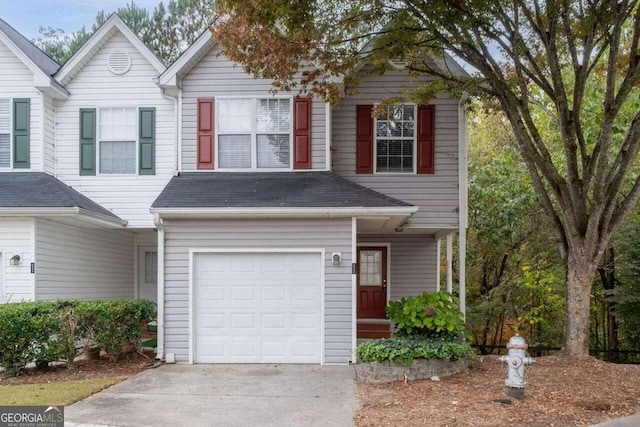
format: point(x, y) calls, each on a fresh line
point(225, 395)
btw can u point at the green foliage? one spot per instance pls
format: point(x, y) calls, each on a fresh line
point(27, 334)
point(114, 324)
point(50, 331)
point(167, 31)
point(428, 315)
point(404, 350)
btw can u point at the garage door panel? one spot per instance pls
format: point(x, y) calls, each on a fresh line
point(273, 293)
point(261, 308)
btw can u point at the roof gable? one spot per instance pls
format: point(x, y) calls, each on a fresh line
point(37, 57)
point(99, 38)
point(187, 60)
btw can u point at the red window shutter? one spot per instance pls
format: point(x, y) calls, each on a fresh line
point(364, 139)
point(302, 133)
point(426, 139)
point(205, 133)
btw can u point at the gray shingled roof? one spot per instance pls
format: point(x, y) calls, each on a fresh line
point(41, 59)
point(40, 190)
point(268, 190)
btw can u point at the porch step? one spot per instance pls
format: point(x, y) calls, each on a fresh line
point(374, 330)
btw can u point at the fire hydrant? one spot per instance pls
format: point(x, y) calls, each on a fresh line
point(516, 361)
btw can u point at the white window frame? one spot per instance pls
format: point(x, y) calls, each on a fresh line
point(10, 167)
point(415, 144)
point(254, 135)
point(99, 139)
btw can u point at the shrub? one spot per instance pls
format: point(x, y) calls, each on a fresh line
point(404, 350)
point(27, 334)
point(114, 325)
point(51, 331)
point(429, 315)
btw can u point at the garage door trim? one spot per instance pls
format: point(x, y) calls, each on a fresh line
point(195, 251)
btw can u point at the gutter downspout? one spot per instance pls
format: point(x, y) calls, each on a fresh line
point(177, 108)
point(160, 225)
point(463, 201)
point(179, 125)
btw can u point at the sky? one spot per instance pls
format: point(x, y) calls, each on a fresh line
point(27, 16)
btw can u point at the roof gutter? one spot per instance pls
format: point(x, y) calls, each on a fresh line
point(304, 212)
point(79, 213)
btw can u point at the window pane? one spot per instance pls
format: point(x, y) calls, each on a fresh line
point(5, 115)
point(118, 124)
point(273, 151)
point(234, 151)
point(234, 115)
point(117, 157)
point(370, 268)
point(395, 131)
point(394, 155)
point(151, 267)
point(5, 150)
point(273, 115)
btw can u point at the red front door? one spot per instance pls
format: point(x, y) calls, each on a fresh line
point(372, 282)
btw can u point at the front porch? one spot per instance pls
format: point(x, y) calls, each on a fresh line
point(392, 263)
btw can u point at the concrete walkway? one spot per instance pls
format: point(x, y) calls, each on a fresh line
point(225, 395)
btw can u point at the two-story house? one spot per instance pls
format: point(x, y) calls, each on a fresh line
point(85, 148)
point(268, 228)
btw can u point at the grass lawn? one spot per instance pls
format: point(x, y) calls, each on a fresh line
point(54, 393)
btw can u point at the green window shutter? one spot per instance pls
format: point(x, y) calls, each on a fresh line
point(21, 130)
point(87, 141)
point(147, 141)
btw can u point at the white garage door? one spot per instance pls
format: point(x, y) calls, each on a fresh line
point(257, 307)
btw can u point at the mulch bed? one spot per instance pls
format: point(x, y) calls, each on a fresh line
point(561, 391)
point(129, 364)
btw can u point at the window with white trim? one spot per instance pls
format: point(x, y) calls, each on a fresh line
point(395, 139)
point(5, 133)
point(118, 140)
point(254, 133)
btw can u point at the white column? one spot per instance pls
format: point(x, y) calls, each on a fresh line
point(160, 320)
point(354, 284)
point(462, 254)
point(449, 263)
point(438, 255)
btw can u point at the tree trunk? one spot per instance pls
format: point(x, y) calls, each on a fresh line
point(580, 272)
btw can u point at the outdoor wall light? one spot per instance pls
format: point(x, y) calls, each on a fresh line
point(337, 258)
point(15, 260)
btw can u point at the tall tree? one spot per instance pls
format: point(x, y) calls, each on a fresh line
point(166, 31)
point(526, 53)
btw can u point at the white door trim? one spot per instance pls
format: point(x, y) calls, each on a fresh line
point(380, 245)
point(195, 251)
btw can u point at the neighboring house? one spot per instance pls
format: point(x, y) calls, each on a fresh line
point(269, 228)
point(84, 150)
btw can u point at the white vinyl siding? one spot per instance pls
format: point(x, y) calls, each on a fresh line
point(413, 264)
point(215, 76)
point(334, 235)
point(16, 238)
point(16, 81)
point(74, 262)
point(95, 86)
point(49, 136)
point(437, 194)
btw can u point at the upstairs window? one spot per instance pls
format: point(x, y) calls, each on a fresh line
point(395, 139)
point(117, 140)
point(5, 133)
point(254, 133)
